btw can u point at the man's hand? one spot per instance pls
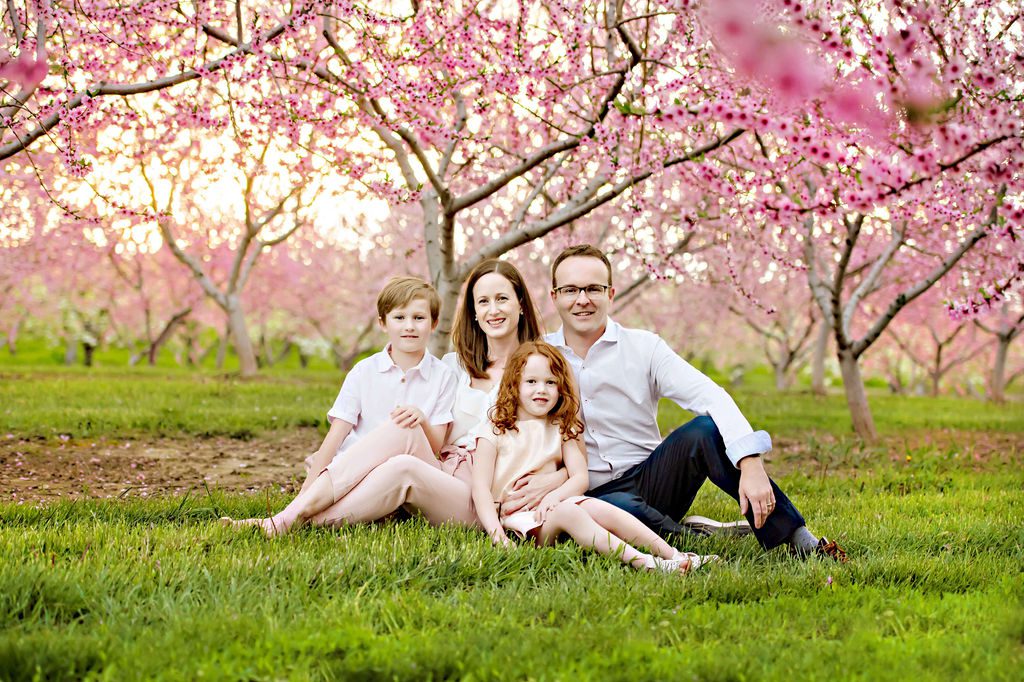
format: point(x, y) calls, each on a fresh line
point(408, 417)
point(755, 490)
point(529, 490)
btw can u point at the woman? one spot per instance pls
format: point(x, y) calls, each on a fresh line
point(496, 315)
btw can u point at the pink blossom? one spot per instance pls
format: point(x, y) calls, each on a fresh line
point(26, 71)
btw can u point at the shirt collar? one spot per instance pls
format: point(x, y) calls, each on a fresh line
point(611, 332)
point(611, 335)
point(385, 362)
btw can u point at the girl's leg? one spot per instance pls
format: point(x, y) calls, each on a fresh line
point(569, 517)
point(628, 527)
point(403, 481)
point(345, 471)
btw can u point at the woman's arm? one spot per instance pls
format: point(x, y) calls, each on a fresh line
point(483, 500)
point(316, 463)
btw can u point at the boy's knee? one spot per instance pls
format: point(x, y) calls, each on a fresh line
point(400, 466)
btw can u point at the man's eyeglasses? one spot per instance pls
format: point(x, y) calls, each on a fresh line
point(592, 291)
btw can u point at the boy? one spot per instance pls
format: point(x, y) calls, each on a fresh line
point(397, 400)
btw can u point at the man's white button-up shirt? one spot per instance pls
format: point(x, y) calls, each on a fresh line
point(376, 386)
point(620, 382)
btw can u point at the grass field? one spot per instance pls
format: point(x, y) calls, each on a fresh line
point(81, 402)
point(141, 589)
point(155, 588)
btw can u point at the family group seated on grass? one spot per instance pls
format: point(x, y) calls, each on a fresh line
point(540, 438)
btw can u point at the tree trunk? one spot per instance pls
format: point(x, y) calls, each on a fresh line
point(997, 381)
point(856, 397)
point(818, 361)
point(177, 319)
point(781, 376)
point(242, 341)
point(70, 352)
point(12, 336)
point(205, 353)
point(283, 353)
point(448, 289)
point(222, 346)
point(88, 350)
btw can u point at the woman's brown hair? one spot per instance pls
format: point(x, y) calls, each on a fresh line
point(468, 338)
point(566, 411)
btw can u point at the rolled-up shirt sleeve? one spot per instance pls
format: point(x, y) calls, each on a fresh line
point(348, 406)
point(688, 387)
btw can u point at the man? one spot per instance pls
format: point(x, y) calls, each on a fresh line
point(622, 373)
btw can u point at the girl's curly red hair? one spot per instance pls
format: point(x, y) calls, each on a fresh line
point(566, 412)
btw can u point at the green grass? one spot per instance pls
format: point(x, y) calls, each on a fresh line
point(144, 589)
point(83, 402)
point(122, 402)
point(155, 588)
point(40, 397)
point(38, 353)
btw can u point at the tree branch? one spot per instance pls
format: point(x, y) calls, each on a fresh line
point(122, 90)
point(12, 12)
point(908, 295)
point(204, 280)
point(868, 284)
point(524, 208)
point(238, 21)
point(548, 151)
point(460, 124)
point(24, 95)
point(584, 202)
point(632, 291)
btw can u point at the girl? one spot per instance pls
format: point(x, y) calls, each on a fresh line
point(534, 429)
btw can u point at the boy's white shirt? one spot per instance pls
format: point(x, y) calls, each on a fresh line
point(376, 386)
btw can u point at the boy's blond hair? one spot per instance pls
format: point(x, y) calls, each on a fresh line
point(400, 291)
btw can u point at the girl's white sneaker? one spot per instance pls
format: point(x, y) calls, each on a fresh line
point(690, 560)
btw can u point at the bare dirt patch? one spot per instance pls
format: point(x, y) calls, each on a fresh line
point(42, 470)
point(46, 470)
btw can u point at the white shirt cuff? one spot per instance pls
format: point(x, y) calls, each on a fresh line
point(441, 418)
point(756, 443)
point(349, 416)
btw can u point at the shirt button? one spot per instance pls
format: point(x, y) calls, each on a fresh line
point(403, 380)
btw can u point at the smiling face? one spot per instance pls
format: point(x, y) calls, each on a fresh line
point(538, 388)
point(496, 307)
point(408, 327)
point(582, 315)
